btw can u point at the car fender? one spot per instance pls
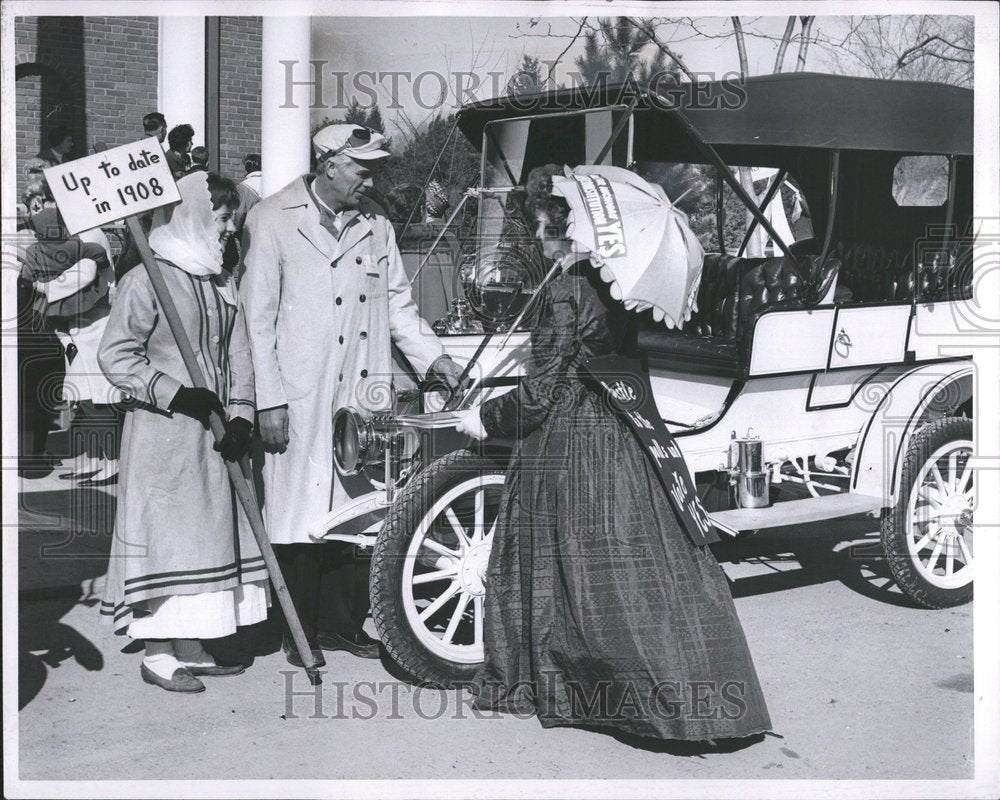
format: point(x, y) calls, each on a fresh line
point(914, 398)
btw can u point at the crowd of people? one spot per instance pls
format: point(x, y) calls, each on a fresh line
point(576, 587)
point(66, 287)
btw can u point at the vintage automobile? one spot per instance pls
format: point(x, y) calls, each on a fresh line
point(822, 375)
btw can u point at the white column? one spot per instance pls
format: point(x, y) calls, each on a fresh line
point(180, 79)
point(284, 109)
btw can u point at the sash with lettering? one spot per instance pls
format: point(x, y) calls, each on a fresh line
point(626, 387)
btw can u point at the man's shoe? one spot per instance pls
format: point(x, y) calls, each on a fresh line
point(95, 482)
point(181, 681)
point(75, 476)
point(359, 644)
point(216, 670)
point(293, 657)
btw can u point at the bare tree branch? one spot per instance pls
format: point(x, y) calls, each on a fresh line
point(853, 29)
point(552, 66)
point(916, 47)
point(786, 37)
point(902, 60)
point(941, 56)
point(741, 46)
point(807, 23)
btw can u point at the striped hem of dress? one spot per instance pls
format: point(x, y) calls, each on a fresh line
point(159, 581)
point(119, 612)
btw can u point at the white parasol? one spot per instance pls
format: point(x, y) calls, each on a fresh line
point(641, 243)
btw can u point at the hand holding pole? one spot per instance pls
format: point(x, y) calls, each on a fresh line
point(239, 474)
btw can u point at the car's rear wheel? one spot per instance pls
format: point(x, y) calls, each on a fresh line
point(927, 535)
point(429, 566)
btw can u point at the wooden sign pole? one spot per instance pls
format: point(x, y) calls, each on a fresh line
point(240, 475)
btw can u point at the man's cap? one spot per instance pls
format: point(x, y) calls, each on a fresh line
point(355, 141)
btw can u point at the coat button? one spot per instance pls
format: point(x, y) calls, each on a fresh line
point(215, 339)
point(341, 376)
point(333, 264)
point(357, 260)
point(364, 334)
point(362, 298)
point(338, 301)
point(340, 339)
point(364, 373)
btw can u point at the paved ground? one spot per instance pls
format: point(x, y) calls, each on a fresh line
point(859, 684)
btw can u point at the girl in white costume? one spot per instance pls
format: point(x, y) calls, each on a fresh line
point(184, 565)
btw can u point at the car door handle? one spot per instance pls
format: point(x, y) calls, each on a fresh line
point(843, 344)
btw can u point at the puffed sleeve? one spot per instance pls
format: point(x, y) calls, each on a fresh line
point(410, 332)
point(260, 292)
point(554, 345)
point(122, 352)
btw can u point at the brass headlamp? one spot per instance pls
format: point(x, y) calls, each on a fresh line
point(361, 441)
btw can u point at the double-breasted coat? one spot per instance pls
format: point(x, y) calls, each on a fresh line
point(322, 312)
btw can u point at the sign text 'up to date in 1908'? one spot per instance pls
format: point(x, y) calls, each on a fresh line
point(112, 184)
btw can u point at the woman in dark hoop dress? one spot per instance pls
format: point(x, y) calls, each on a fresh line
point(599, 611)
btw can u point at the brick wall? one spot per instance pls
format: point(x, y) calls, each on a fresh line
point(96, 75)
point(29, 134)
point(239, 92)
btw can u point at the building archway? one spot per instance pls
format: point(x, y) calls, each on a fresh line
point(45, 100)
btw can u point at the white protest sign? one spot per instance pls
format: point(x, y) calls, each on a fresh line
point(112, 184)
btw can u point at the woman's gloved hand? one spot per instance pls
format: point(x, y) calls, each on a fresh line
point(233, 446)
point(471, 424)
point(197, 403)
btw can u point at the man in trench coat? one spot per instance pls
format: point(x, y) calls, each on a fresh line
point(326, 295)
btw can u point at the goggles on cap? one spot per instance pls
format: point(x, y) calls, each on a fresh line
point(359, 138)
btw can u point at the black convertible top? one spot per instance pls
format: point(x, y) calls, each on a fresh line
point(800, 109)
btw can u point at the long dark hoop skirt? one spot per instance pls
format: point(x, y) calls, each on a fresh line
point(599, 610)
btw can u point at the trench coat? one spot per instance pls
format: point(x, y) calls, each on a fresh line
point(178, 527)
point(322, 314)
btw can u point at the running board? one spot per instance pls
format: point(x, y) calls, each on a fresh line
point(795, 512)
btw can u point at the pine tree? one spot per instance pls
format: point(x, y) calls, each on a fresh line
point(595, 62)
point(374, 120)
point(355, 114)
point(614, 51)
point(528, 77)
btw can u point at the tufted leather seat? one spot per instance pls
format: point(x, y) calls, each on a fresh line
point(732, 290)
point(720, 276)
point(872, 274)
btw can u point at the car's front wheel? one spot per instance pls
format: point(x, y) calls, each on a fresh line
point(429, 567)
point(927, 535)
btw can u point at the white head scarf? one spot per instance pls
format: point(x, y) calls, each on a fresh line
point(184, 233)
